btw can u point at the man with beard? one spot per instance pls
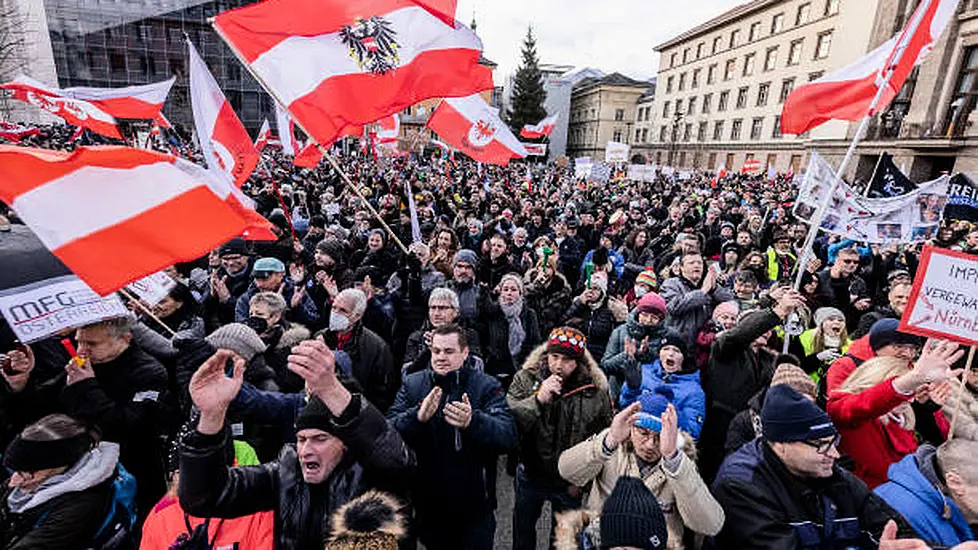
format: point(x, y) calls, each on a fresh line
point(691, 296)
point(496, 263)
point(841, 288)
point(471, 296)
point(329, 273)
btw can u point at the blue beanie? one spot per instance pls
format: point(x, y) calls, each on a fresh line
point(467, 256)
point(886, 331)
point(653, 405)
point(789, 416)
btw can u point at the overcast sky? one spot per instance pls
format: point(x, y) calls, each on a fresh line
point(611, 35)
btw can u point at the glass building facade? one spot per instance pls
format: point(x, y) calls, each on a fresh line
point(115, 43)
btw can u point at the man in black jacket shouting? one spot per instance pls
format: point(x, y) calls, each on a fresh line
point(344, 447)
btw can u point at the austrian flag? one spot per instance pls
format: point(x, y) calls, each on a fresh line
point(471, 126)
point(74, 111)
point(341, 63)
point(544, 128)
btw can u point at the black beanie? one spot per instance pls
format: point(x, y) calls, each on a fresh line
point(886, 331)
point(632, 517)
point(672, 338)
point(314, 416)
point(788, 416)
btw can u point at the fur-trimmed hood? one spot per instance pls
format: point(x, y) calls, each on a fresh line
point(293, 335)
point(569, 527)
point(538, 359)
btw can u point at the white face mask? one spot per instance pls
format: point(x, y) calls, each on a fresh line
point(640, 291)
point(338, 322)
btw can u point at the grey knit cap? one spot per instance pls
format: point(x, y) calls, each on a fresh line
point(238, 338)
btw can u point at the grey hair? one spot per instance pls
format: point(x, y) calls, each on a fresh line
point(118, 327)
point(445, 294)
point(960, 455)
point(272, 300)
point(358, 298)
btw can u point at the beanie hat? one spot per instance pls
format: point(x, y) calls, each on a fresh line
point(236, 245)
point(269, 265)
point(600, 280)
point(372, 520)
point(649, 278)
point(653, 405)
point(789, 416)
point(794, 376)
point(314, 416)
point(567, 341)
point(886, 331)
point(239, 338)
point(467, 256)
point(824, 313)
point(652, 303)
point(672, 338)
point(730, 307)
point(632, 517)
point(600, 256)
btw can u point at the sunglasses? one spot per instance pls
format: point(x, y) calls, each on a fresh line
point(823, 446)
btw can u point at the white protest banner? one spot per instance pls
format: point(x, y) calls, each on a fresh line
point(40, 309)
point(581, 171)
point(944, 299)
point(641, 172)
point(616, 152)
point(152, 288)
point(535, 149)
point(582, 160)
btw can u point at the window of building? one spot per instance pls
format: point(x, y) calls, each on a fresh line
point(965, 93)
point(763, 91)
point(701, 131)
point(619, 115)
point(669, 82)
point(686, 55)
point(691, 106)
point(777, 23)
point(794, 52)
point(776, 131)
point(682, 82)
point(735, 129)
point(665, 110)
point(755, 31)
point(749, 64)
point(672, 59)
point(831, 7)
point(804, 14)
point(638, 135)
point(823, 45)
point(742, 97)
point(757, 125)
point(724, 99)
point(687, 131)
point(679, 106)
point(663, 132)
point(707, 101)
point(815, 76)
point(711, 74)
point(699, 50)
point(716, 44)
point(617, 136)
point(645, 135)
point(734, 38)
point(771, 59)
point(787, 85)
point(694, 81)
point(728, 71)
point(718, 130)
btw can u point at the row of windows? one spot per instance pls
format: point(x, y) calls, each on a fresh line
point(689, 106)
point(822, 47)
point(803, 15)
point(676, 133)
point(579, 114)
point(644, 114)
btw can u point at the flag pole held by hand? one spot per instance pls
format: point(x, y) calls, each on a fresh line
point(146, 310)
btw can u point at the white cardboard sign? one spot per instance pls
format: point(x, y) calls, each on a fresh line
point(40, 309)
point(944, 299)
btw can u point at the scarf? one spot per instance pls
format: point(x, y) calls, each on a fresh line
point(516, 332)
point(831, 342)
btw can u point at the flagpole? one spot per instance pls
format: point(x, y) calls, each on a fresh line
point(323, 150)
point(876, 168)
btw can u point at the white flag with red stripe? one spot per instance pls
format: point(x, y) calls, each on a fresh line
point(264, 135)
point(340, 63)
point(848, 93)
point(224, 140)
point(390, 127)
point(74, 111)
point(470, 125)
point(142, 102)
point(286, 137)
point(751, 165)
point(116, 214)
point(544, 128)
point(16, 132)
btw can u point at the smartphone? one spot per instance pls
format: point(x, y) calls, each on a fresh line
point(6, 361)
point(229, 367)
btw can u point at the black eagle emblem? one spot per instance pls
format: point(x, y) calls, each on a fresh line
point(372, 45)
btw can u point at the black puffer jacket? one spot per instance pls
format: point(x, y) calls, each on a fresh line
point(376, 458)
point(550, 300)
point(499, 362)
point(596, 324)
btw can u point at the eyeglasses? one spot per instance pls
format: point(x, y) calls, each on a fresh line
point(849, 262)
point(823, 446)
point(263, 274)
point(434, 307)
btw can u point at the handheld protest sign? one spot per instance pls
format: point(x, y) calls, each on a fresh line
point(944, 300)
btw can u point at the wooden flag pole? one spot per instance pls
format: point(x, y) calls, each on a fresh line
point(146, 310)
point(326, 154)
point(961, 388)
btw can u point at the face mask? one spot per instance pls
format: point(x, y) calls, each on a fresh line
point(338, 322)
point(640, 291)
point(258, 324)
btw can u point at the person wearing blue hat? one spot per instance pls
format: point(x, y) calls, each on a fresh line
point(269, 275)
point(645, 442)
point(786, 490)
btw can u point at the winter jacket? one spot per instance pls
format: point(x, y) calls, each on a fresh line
point(596, 324)
point(66, 510)
point(305, 313)
point(840, 369)
point(768, 508)
point(168, 521)
point(804, 348)
point(582, 409)
point(779, 267)
point(570, 250)
point(684, 497)
point(746, 425)
point(375, 458)
point(417, 356)
point(868, 319)
point(373, 366)
point(280, 339)
point(838, 293)
point(498, 361)
point(550, 301)
point(914, 491)
point(682, 389)
point(453, 464)
point(688, 307)
point(635, 261)
point(218, 313)
point(123, 400)
point(491, 272)
point(616, 260)
point(614, 359)
point(871, 444)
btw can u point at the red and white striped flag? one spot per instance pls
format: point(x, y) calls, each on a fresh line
point(74, 111)
point(224, 140)
point(142, 102)
point(286, 135)
point(390, 128)
point(16, 132)
point(544, 128)
point(721, 173)
point(848, 93)
point(308, 157)
point(341, 63)
point(470, 125)
point(162, 122)
point(77, 134)
point(264, 134)
point(751, 165)
point(116, 214)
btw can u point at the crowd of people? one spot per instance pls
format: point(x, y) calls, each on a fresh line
point(633, 353)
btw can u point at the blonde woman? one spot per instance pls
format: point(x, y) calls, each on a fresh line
point(871, 409)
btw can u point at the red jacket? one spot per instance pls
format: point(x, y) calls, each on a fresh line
point(872, 445)
point(166, 522)
point(842, 367)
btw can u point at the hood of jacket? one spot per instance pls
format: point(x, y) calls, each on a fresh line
point(861, 349)
point(538, 358)
point(92, 469)
point(293, 335)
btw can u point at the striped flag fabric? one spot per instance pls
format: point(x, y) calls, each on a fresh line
point(116, 214)
point(15, 132)
point(140, 102)
point(389, 129)
point(76, 112)
point(264, 135)
point(751, 165)
point(286, 135)
point(341, 63)
point(413, 209)
point(544, 128)
point(470, 125)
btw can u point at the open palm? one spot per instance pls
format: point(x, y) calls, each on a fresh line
point(210, 388)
